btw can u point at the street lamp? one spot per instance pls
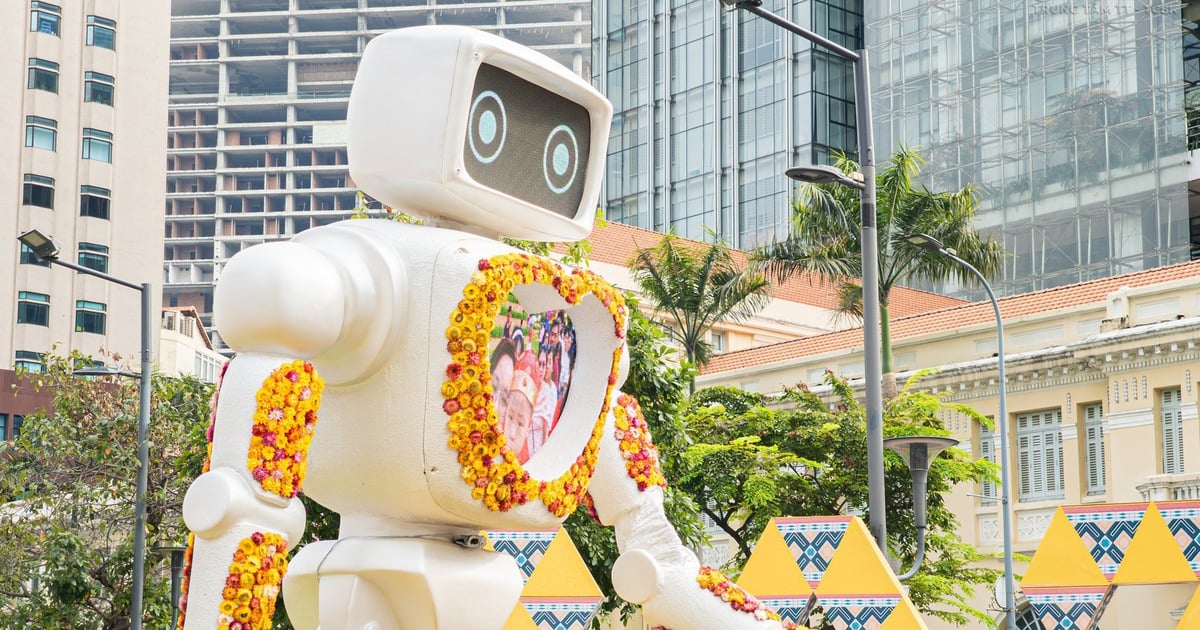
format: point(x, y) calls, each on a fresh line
point(46, 249)
point(928, 243)
point(872, 348)
point(917, 451)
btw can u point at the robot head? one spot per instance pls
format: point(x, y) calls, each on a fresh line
point(457, 125)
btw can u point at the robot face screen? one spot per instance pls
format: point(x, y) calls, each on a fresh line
point(532, 360)
point(526, 141)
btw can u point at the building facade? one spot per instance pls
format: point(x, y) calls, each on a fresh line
point(1066, 117)
point(1102, 386)
point(82, 132)
point(712, 106)
point(258, 96)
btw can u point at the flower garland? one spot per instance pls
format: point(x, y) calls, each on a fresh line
point(489, 464)
point(284, 421)
point(714, 581)
point(248, 598)
point(633, 436)
point(187, 578)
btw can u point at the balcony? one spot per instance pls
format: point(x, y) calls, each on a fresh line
point(1180, 487)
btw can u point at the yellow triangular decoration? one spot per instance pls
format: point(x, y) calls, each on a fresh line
point(771, 570)
point(904, 617)
point(1153, 556)
point(520, 620)
point(1062, 559)
point(1191, 616)
point(857, 566)
point(561, 572)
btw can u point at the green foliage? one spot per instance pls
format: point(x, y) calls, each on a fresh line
point(752, 458)
point(826, 233)
point(66, 537)
point(696, 287)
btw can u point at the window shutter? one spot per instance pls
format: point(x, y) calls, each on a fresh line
point(1172, 432)
point(987, 452)
point(1040, 461)
point(1093, 435)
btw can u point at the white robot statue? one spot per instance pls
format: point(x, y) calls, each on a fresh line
point(427, 382)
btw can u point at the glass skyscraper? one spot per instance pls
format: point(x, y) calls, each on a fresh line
point(711, 107)
point(1065, 115)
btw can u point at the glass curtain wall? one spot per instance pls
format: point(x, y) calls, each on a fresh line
point(1066, 116)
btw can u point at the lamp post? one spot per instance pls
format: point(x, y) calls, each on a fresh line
point(917, 452)
point(928, 243)
point(872, 350)
point(46, 249)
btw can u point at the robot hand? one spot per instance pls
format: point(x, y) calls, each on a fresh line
point(655, 570)
point(243, 510)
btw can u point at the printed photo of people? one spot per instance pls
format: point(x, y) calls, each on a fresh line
point(532, 359)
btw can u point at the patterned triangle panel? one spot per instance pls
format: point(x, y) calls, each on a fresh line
point(812, 541)
point(858, 612)
point(1069, 608)
point(793, 609)
point(1106, 531)
point(527, 548)
point(1183, 519)
point(561, 613)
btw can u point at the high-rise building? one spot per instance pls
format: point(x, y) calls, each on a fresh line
point(711, 107)
point(258, 95)
point(1066, 116)
point(81, 131)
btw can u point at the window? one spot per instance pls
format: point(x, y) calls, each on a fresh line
point(98, 88)
point(718, 342)
point(1039, 455)
point(93, 256)
point(41, 132)
point(97, 145)
point(29, 361)
point(1093, 449)
point(44, 18)
point(43, 75)
point(987, 452)
point(30, 258)
point(89, 317)
point(10, 426)
point(38, 191)
point(33, 308)
point(101, 32)
point(1171, 427)
point(93, 201)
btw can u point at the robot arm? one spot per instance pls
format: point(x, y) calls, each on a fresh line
point(655, 570)
point(243, 511)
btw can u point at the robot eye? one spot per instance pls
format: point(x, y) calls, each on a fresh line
point(560, 159)
point(488, 127)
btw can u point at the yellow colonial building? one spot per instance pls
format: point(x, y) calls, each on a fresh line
point(1102, 382)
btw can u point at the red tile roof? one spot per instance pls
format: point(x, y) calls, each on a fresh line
point(617, 244)
point(967, 314)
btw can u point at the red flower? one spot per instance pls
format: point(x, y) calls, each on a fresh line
point(454, 371)
point(450, 406)
point(484, 265)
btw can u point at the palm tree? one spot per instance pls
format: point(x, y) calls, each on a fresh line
point(697, 286)
point(826, 232)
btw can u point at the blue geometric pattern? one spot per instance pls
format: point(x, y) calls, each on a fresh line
point(789, 608)
point(562, 615)
point(813, 550)
point(527, 548)
point(1106, 534)
point(1069, 610)
point(859, 613)
point(1183, 525)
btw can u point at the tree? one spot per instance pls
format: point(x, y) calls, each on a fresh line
point(753, 459)
point(67, 481)
point(825, 238)
point(696, 287)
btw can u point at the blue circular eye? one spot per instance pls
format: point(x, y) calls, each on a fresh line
point(560, 159)
point(487, 127)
